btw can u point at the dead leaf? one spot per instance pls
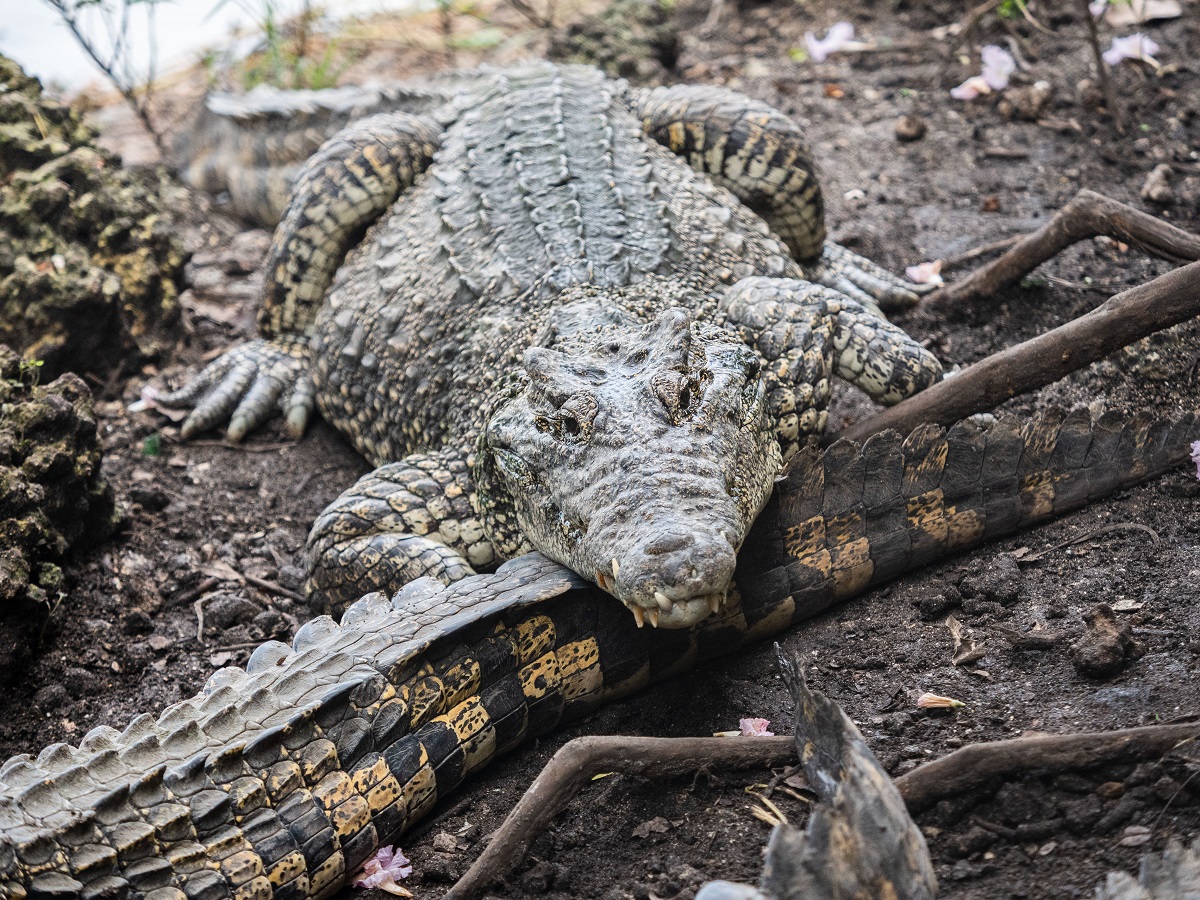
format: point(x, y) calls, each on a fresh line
point(656, 825)
point(1135, 12)
point(965, 649)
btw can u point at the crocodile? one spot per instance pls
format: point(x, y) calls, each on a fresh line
point(279, 779)
point(584, 320)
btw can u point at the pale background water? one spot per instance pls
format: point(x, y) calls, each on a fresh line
point(33, 34)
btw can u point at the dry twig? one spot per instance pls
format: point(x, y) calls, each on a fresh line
point(1110, 98)
point(1122, 319)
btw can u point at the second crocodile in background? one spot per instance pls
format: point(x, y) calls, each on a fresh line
point(595, 323)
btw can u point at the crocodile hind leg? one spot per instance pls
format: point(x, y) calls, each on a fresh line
point(760, 155)
point(404, 521)
point(355, 176)
point(807, 333)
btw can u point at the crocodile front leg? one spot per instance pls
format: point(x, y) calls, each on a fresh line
point(760, 155)
point(806, 333)
point(355, 176)
point(404, 521)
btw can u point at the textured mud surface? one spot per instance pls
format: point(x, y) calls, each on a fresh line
point(205, 516)
point(89, 264)
point(52, 500)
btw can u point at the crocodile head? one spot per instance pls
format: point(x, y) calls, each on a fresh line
point(639, 456)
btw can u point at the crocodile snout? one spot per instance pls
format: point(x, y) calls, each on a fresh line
point(674, 579)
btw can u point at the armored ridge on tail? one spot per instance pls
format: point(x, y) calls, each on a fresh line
point(279, 780)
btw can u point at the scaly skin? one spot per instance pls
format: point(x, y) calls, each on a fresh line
point(278, 781)
point(609, 351)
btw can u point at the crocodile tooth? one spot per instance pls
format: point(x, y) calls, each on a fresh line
point(602, 580)
point(714, 603)
point(616, 567)
point(661, 599)
point(652, 615)
point(639, 615)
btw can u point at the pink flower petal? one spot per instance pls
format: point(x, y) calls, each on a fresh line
point(835, 39)
point(1134, 46)
point(383, 870)
point(971, 88)
point(925, 273)
point(755, 727)
point(998, 65)
point(1097, 7)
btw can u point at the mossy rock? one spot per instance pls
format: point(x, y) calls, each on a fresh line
point(52, 498)
point(89, 264)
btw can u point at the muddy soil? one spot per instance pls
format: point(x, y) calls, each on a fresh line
point(202, 516)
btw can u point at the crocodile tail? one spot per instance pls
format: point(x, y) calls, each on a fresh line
point(856, 515)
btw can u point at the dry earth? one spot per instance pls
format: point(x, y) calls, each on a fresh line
point(126, 639)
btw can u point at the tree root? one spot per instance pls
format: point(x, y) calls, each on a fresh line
point(971, 766)
point(578, 761)
point(1087, 215)
point(1122, 319)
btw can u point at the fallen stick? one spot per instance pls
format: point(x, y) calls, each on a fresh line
point(578, 761)
point(974, 764)
point(1122, 319)
point(1087, 215)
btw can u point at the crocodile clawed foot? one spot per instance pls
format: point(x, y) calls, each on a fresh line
point(246, 386)
point(862, 280)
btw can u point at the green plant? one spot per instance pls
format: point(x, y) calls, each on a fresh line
point(30, 369)
point(287, 59)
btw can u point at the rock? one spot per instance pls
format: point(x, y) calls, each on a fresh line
point(227, 610)
point(89, 265)
point(936, 604)
point(1081, 814)
point(1028, 102)
point(910, 128)
point(51, 697)
point(138, 622)
point(52, 499)
point(1157, 188)
point(1017, 803)
point(1002, 582)
point(149, 498)
point(1106, 647)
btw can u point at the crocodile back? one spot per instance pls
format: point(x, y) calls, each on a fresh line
point(543, 184)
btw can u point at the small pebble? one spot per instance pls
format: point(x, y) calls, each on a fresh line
point(910, 128)
point(1157, 188)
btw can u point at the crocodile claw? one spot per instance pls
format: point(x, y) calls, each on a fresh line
point(245, 386)
point(862, 280)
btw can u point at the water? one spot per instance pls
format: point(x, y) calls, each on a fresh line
point(34, 34)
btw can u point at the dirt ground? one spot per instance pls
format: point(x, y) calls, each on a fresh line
point(202, 514)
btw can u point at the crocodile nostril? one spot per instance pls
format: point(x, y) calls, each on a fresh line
point(668, 543)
